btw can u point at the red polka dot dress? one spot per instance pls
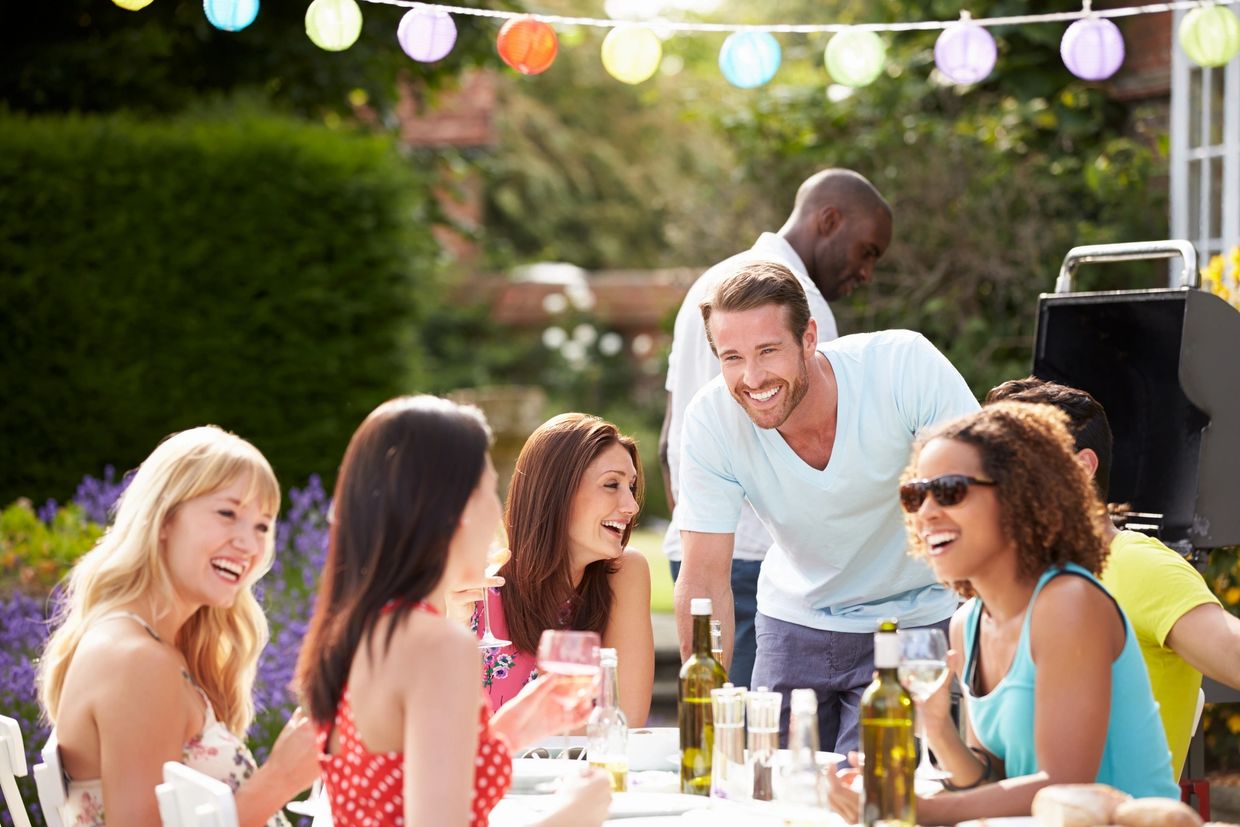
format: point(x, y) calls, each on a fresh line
point(366, 788)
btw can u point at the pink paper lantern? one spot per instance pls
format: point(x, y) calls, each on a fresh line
point(1092, 48)
point(426, 36)
point(965, 52)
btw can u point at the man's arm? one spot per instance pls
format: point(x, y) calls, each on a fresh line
point(665, 463)
point(705, 571)
point(1208, 637)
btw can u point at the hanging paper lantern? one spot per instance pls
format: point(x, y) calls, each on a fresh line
point(855, 57)
point(631, 53)
point(1210, 35)
point(333, 25)
point(527, 45)
point(965, 52)
point(1092, 48)
point(132, 5)
point(426, 36)
point(230, 15)
point(749, 59)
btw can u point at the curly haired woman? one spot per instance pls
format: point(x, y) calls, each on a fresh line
point(1054, 685)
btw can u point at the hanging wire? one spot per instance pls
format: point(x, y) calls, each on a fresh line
point(809, 28)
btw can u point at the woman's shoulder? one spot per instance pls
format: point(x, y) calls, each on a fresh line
point(106, 644)
point(151, 684)
point(632, 564)
point(428, 636)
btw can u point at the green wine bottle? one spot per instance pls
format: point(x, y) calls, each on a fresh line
point(698, 676)
point(887, 795)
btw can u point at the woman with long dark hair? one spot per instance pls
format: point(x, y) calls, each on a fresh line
point(391, 684)
point(1054, 685)
point(572, 505)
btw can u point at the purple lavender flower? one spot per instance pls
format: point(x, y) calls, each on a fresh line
point(97, 497)
point(47, 512)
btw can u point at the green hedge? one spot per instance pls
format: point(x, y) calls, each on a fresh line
point(251, 271)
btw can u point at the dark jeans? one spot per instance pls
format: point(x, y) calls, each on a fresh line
point(745, 604)
point(838, 666)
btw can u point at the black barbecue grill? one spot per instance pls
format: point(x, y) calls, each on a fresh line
point(1165, 364)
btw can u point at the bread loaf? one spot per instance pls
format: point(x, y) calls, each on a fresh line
point(1076, 805)
point(1156, 812)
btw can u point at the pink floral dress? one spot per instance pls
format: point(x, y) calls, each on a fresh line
point(506, 670)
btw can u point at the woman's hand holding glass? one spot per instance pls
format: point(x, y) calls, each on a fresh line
point(546, 706)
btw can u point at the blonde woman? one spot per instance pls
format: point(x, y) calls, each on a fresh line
point(157, 642)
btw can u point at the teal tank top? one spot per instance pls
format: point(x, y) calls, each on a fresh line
point(1136, 758)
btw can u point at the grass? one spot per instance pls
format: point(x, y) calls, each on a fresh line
point(650, 543)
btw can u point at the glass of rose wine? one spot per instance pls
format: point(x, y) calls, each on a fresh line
point(497, 556)
point(923, 670)
point(574, 657)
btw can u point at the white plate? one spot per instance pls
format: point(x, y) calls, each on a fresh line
point(530, 773)
point(1006, 821)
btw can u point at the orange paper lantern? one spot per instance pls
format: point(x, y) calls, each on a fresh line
point(527, 45)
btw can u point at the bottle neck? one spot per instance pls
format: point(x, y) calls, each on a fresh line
point(609, 688)
point(886, 654)
point(701, 635)
point(803, 736)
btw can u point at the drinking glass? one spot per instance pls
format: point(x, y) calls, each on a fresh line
point(923, 670)
point(574, 656)
point(497, 556)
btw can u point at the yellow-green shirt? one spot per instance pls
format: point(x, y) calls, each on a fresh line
point(1155, 587)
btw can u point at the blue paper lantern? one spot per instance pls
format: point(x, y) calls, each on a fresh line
point(1092, 48)
point(749, 59)
point(426, 36)
point(230, 15)
point(965, 52)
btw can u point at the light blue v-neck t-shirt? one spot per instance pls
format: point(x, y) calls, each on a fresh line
point(838, 561)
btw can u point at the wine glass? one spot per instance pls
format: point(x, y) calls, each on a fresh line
point(574, 657)
point(497, 556)
point(923, 669)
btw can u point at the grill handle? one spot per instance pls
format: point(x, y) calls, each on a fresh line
point(1132, 251)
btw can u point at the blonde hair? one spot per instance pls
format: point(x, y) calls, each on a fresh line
point(221, 645)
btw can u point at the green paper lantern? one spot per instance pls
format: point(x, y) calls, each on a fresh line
point(855, 57)
point(132, 5)
point(333, 25)
point(1210, 35)
point(631, 53)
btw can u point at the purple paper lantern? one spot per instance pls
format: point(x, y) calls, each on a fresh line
point(965, 52)
point(426, 36)
point(1092, 48)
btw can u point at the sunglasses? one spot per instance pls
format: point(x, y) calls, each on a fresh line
point(948, 490)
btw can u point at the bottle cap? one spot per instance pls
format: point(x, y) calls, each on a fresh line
point(699, 606)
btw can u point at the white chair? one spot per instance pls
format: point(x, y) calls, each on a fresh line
point(49, 780)
point(1201, 705)
point(12, 767)
point(188, 798)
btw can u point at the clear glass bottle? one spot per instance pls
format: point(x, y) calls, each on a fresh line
point(607, 731)
point(888, 798)
point(698, 676)
point(762, 719)
point(804, 785)
point(729, 777)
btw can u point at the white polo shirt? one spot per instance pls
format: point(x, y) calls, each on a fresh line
point(692, 364)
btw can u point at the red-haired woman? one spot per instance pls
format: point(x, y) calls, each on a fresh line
point(571, 508)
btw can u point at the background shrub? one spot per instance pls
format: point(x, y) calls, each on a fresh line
point(241, 269)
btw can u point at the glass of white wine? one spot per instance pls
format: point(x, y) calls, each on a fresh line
point(497, 556)
point(574, 656)
point(923, 670)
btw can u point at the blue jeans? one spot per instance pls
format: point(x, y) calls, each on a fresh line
point(838, 666)
point(745, 604)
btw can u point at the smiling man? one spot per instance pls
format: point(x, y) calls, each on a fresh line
point(838, 228)
point(814, 437)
